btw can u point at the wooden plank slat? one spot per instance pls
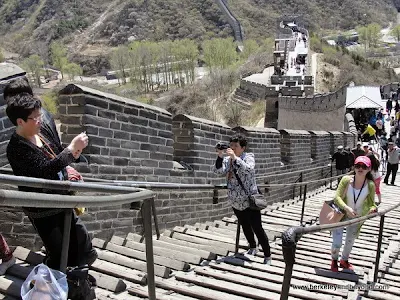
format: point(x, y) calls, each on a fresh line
point(163, 252)
point(264, 285)
point(231, 288)
point(162, 244)
point(158, 260)
point(131, 263)
point(108, 282)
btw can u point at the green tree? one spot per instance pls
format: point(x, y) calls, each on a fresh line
point(73, 70)
point(395, 32)
point(59, 56)
point(374, 33)
point(34, 64)
point(250, 47)
point(119, 61)
point(219, 53)
point(363, 36)
point(49, 101)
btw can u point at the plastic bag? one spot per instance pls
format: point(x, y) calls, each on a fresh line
point(44, 283)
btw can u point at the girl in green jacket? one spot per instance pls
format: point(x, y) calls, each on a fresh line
point(356, 197)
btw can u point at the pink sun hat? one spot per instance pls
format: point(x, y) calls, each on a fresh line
point(363, 160)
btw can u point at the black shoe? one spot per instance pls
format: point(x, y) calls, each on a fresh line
point(385, 182)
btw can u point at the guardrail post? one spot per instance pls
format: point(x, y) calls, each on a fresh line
point(289, 240)
point(149, 249)
point(301, 187)
point(215, 196)
point(65, 241)
point(303, 205)
point(378, 248)
point(237, 237)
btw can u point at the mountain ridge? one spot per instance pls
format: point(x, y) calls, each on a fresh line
point(25, 24)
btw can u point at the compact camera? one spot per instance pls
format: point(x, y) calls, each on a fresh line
point(221, 146)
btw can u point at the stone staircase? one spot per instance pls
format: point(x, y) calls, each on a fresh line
point(198, 262)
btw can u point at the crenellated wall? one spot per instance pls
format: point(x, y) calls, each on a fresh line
point(129, 140)
point(319, 112)
point(387, 89)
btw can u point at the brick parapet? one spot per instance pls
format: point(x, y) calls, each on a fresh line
point(133, 141)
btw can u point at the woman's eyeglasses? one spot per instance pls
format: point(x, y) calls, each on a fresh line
point(36, 119)
point(358, 166)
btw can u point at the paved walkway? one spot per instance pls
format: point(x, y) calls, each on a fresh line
point(262, 78)
point(197, 262)
point(300, 48)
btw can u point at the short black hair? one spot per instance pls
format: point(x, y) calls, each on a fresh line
point(21, 106)
point(239, 139)
point(17, 86)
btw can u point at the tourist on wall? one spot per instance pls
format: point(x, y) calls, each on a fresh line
point(389, 106)
point(358, 151)
point(376, 174)
point(380, 114)
point(383, 142)
point(342, 161)
point(30, 154)
point(48, 126)
point(237, 165)
point(379, 126)
point(6, 256)
point(392, 163)
point(397, 106)
point(350, 158)
point(355, 195)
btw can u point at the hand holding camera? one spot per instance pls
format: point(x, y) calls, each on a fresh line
point(221, 147)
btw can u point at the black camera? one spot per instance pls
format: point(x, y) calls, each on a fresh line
point(221, 146)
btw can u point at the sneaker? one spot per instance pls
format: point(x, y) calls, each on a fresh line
point(346, 265)
point(252, 251)
point(7, 264)
point(334, 265)
point(267, 261)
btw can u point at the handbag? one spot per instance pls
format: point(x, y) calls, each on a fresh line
point(72, 174)
point(330, 212)
point(256, 201)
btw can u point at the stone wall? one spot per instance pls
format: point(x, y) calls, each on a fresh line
point(319, 112)
point(129, 140)
point(387, 89)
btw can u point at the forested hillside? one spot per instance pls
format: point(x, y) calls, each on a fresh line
point(260, 16)
point(26, 23)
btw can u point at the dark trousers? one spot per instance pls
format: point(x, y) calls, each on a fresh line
point(391, 168)
point(251, 224)
point(50, 230)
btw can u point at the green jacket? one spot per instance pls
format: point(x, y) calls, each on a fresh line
point(341, 201)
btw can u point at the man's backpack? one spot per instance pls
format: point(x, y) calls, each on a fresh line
point(81, 285)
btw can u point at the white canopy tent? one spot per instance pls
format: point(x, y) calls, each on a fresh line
point(363, 97)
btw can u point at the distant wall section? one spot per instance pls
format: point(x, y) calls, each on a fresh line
point(319, 112)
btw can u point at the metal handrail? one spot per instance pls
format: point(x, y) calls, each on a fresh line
point(292, 235)
point(291, 172)
point(181, 186)
point(42, 200)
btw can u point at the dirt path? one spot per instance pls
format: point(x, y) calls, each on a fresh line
point(84, 38)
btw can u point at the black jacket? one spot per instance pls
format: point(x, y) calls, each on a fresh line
point(341, 158)
point(26, 159)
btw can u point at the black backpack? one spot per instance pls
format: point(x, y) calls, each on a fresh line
point(81, 285)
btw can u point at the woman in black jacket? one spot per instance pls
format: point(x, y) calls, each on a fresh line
point(30, 154)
